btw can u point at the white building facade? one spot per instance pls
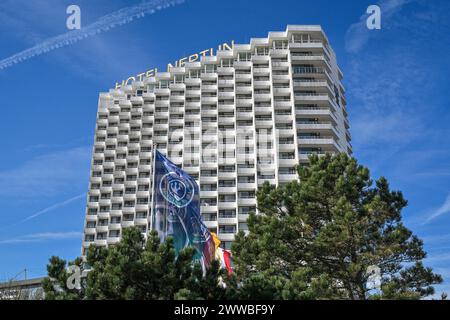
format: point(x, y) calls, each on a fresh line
point(232, 120)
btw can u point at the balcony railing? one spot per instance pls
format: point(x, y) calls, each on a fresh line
point(300, 70)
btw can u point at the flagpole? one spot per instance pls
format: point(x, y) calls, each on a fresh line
point(153, 186)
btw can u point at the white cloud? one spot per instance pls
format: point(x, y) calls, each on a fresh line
point(443, 209)
point(47, 175)
point(103, 24)
point(41, 237)
point(358, 35)
point(385, 91)
point(53, 207)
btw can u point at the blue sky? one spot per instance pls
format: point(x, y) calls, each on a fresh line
point(397, 92)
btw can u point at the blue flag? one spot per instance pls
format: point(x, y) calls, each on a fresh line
point(176, 210)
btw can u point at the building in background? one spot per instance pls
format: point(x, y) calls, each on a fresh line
point(27, 289)
point(233, 120)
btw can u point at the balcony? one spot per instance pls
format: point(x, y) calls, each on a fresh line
point(227, 221)
point(304, 156)
point(251, 186)
point(283, 103)
point(208, 193)
point(209, 87)
point(312, 97)
point(318, 125)
point(296, 56)
point(246, 170)
point(193, 104)
point(324, 112)
point(264, 96)
point(227, 189)
point(227, 205)
point(261, 83)
point(210, 223)
point(243, 76)
point(327, 143)
point(281, 91)
point(209, 99)
point(287, 162)
point(287, 177)
point(315, 83)
point(247, 201)
point(226, 236)
point(280, 64)
point(305, 44)
point(177, 98)
point(208, 209)
point(226, 94)
point(227, 174)
point(264, 123)
point(243, 217)
point(208, 179)
point(308, 70)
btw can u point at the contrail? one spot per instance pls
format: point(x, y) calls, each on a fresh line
point(103, 24)
point(41, 212)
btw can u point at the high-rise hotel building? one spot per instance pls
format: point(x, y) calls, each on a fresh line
point(233, 120)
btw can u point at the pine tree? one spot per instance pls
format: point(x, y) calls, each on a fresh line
point(318, 237)
point(135, 269)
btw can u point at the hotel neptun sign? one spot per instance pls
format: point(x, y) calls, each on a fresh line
point(179, 63)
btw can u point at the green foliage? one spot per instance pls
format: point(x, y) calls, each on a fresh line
point(55, 285)
point(137, 270)
point(318, 236)
point(315, 239)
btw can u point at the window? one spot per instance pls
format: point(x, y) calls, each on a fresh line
point(227, 183)
point(130, 190)
point(119, 180)
point(90, 224)
point(104, 208)
point(246, 210)
point(262, 51)
point(142, 201)
point(244, 56)
point(102, 222)
point(101, 236)
point(141, 214)
point(143, 187)
point(116, 206)
point(227, 229)
point(144, 175)
point(115, 220)
point(208, 202)
point(132, 177)
point(117, 193)
point(128, 217)
point(129, 204)
point(227, 198)
point(114, 233)
point(231, 213)
point(106, 195)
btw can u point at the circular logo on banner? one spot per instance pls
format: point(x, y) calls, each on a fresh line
point(175, 190)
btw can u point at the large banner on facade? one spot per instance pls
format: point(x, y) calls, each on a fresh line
point(176, 210)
